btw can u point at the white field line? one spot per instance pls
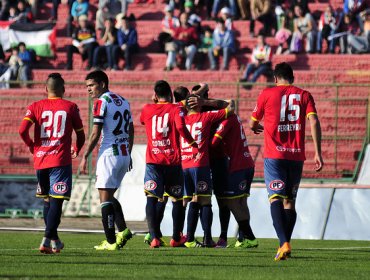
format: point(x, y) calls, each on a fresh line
point(76, 230)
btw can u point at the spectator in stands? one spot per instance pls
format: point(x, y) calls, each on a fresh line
point(108, 42)
point(109, 9)
point(284, 35)
point(223, 44)
point(225, 14)
point(24, 13)
point(244, 9)
point(13, 14)
point(361, 44)
point(205, 46)
point(327, 26)
point(54, 10)
point(24, 71)
point(302, 3)
point(185, 44)
point(347, 26)
point(304, 28)
point(83, 42)
point(261, 10)
point(169, 23)
point(260, 62)
point(4, 11)
point(79, 8)
point(352, 8)
point(217, 4)
point(127, 43)
point(193, 17)
point(14, 63)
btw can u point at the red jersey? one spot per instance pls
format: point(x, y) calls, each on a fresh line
point(284, 109)
point(164, 123)
point(199, 125)
point(231, 132)
point(54, 119)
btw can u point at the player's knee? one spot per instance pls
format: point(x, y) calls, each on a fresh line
point(289, 204)
point(204, 200)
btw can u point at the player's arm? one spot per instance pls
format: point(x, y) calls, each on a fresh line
point(230, 109)
point(255, 126)
point(316, 136)
point(93, 140)
point(80, 141)
point(131, 133)
point(222, 129)
point(215, 103)
point(182, 129)
point(24, 133)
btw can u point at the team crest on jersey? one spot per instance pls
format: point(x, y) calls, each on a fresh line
point(202, 186)
point(116, 100)
point(176, 190)
point(150, 185)
point(276, 185)
point(243, 185)
point(60, 188)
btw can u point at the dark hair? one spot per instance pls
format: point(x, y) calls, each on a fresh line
point(220, 20)
point(98, 76)
point(21, 44)
point(180, 93)
point(162, 89)
point(203, 94)
point(55, 82)
point(284, 71)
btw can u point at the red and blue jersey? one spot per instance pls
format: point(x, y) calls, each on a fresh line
point(54, 119)
point(284, 109)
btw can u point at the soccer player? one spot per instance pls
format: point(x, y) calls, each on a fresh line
point(55, 119)
point(230, 135)
point(164, 123)
point(195, 164)
point(112, 119)
point(285, 108)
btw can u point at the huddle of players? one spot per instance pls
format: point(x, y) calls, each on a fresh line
point(196, 146)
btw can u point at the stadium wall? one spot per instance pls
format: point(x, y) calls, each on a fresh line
point(325, 211)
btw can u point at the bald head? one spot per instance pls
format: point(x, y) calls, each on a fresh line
point(55, 84)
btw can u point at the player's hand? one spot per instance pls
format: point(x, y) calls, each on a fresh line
point(74, 153)
point(194, 102)
point(83, 165)
point(130, 165)
point(258, 129)
point(319, 163)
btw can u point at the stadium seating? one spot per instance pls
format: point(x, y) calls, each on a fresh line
point(344, 127)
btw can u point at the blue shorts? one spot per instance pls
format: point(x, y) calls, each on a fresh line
point(282, 177)
point(164, 178)
point(197, 182)
point(219, 172)
point(55, 182)
point(239, 184)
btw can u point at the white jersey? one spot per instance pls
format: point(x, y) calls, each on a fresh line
point(113, 112)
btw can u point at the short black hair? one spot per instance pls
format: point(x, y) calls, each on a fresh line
point(284, 71)
point(55, 82)
point(162, 89)
point(98, 76)
point(180, 93)
point(21, 44)
point(203, 94)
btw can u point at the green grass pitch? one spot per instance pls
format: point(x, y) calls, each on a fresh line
point(311, 259)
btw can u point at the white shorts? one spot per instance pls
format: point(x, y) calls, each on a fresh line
point(110, 171)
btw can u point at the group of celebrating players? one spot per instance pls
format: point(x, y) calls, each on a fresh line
point(196, 146)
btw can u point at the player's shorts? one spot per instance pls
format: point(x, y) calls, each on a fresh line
point(110, 171)
point(55, 182)
point(282, 177)
point(164, 179)
point(197, 182)
point(219, 174)
point(239, 184)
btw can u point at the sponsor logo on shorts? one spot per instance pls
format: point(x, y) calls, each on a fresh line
point(202, 186)
point(176, 190)
point(150, 185)
point(276, 185)
point(60, 188)
point(243, 185)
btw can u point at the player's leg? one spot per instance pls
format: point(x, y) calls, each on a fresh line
point(60, 190)
point(294, 177)
point(193, 212)
point(275, 178)
point(108, 218)
point(219, 169)
point(154, 190)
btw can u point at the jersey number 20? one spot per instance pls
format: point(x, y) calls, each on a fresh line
point(54, 124)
